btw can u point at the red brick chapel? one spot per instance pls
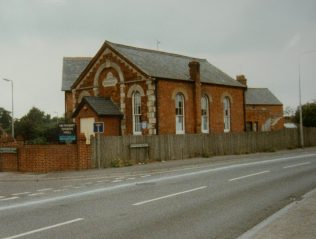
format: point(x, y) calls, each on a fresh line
point(136, 91)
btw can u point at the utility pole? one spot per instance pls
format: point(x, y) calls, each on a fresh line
point(12, 120)
point(300, 94)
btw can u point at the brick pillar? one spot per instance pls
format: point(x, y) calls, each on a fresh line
point(83, 153)
point(195, 76)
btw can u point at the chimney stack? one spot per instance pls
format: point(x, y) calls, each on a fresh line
point(242, 79)
point(195, 76)
point(194, 71)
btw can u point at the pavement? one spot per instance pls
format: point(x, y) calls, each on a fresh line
point(296, 221)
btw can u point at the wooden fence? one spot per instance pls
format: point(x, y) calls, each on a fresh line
point(115, 151)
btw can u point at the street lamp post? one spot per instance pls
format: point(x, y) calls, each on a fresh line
point(12, 120)
point(300, 94)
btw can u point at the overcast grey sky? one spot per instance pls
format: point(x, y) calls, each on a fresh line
point(259, 38)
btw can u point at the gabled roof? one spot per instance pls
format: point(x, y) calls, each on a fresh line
point(260, 96)
point(100, 105)
point(171, 66)
point(72, 68)
point(160, 64)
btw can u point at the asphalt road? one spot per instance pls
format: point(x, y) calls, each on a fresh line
point(207, 200)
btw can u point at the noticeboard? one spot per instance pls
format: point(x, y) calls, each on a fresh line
point(67, 133)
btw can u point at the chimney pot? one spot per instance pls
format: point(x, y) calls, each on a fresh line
point(241, 79)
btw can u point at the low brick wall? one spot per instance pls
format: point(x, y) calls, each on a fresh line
point(46, 158)
point(8, 162)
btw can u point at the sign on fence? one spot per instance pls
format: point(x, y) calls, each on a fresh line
point(7, 150)
point(67, 133)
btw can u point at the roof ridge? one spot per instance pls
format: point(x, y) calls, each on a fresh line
point(77, 57)
point(155, 51)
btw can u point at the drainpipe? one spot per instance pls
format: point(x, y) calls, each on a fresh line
point(156, 106)
point(244, 105)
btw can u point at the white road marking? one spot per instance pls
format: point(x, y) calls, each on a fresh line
point(17, 194)
point(44, 228)
point(35, 194)
point(44, 189)
point(249, 175)
point(59, 190)
point(168, 196)
point(119, 178)
point(68, 186)
point(145, 176)
point(130, 178)
point(116, 181)
point(7, 199)
point(2, 197)
point(296, 165)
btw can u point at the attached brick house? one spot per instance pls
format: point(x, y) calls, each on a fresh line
point(264, 111)
point(137, 91)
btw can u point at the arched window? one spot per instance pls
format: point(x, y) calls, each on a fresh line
point(204, 114)
point(136, 100)
point(180, 114)
point(227, 119)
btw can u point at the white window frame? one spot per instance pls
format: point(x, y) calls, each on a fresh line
point(180, 114)
point(227, 114)
point(205, 114)
point(136, 111)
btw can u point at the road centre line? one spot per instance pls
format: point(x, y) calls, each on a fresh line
point(249, 175)
point(44, 228)
point(44, 189)
point(7, 199)
point(60, 190)
point(35, 194)
point(117, 180)
point(17, 194)
point(168, 196)
point(296, 165)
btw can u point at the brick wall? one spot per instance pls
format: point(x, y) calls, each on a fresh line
point(8, 161)
point(166, 106)
point(262, 113)
point(68, 104)
point(44, 158)
point(47, 158)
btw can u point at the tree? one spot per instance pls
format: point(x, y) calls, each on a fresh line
point(289, 111)
point(309, 114)
point(5, 120)
point(37, 127)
